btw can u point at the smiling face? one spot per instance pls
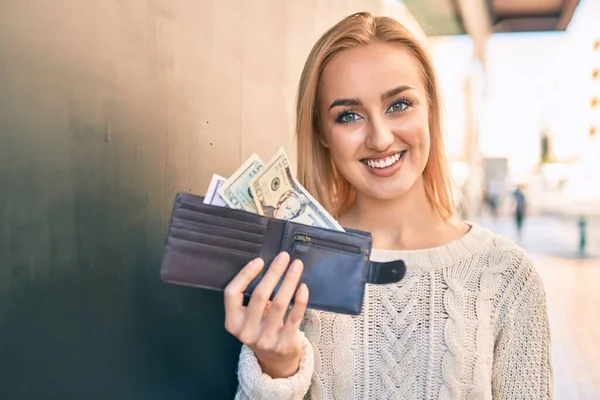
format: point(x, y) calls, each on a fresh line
point(374, 118)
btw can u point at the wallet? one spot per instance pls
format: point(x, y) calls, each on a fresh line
point(207, 245)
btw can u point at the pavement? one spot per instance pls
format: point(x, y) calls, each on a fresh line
point(550, 235)
point(571, 280)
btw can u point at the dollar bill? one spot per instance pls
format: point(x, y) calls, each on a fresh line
point(212, 196)
point(235, 192)
point(278, 194)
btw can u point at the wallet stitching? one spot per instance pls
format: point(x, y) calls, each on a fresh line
point(218, 217)
point(233, 221)
point(223, 249)
point(347, 239)
point(218, 237)
point(257, 236)
point(283, 245)
point(262, 225)
point(182, 219)
point(325, 248)
point(207, 212)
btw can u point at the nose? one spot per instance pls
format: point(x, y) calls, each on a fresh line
point(380, 136)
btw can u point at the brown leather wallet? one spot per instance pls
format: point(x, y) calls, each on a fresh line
point(206, 246)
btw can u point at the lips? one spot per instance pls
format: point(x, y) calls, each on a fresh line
point(382, 163)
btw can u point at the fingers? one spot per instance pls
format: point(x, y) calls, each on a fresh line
point(294, 319)
point(277, 337)
point(262, 322)
point(253, 314)
point(262, 293)
point(234, 291)
point(284, 295)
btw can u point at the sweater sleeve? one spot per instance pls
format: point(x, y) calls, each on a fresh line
point(522, 367)
point(254, 384)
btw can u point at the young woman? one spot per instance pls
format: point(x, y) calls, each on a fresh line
point(469, 319)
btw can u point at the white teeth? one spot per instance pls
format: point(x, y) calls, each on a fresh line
point(385, 163)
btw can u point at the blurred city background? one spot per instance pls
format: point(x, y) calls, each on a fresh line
point(109, 108)
point(522, 102)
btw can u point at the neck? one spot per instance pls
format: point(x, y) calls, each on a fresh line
point(409, 222)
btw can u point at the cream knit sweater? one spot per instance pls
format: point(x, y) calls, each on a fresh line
point(468, 321)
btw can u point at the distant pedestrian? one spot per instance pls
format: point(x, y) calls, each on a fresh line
point(493, 196)
point(520, 208)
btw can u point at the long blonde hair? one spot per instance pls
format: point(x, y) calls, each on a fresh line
point(316, 171)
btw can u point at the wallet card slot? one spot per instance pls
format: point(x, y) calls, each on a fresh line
point(224, 212)
point(218, 231)
point(217, 241)
point(212, 220)
point(193, 264)
point(224, 250)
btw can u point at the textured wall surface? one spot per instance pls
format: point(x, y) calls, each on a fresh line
point(107, 109)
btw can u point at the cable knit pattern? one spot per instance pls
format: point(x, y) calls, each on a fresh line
point(395, 350)
point(468, 321)
point(454, 330)
point(343, 361)
point(489, 285)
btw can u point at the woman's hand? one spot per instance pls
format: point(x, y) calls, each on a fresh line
point(261, 326)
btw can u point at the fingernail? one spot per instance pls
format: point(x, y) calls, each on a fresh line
point(254, 264)
point(296, 266)
point(281, 257)
point(302, 289)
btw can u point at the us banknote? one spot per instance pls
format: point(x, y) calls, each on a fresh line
point(235, 192)
point(212, 196)
point(278, 194)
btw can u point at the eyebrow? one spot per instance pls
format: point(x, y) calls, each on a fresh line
point(395, 92)
point(345, 102)
point(356, 102)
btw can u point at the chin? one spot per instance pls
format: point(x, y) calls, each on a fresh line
point(386, 192)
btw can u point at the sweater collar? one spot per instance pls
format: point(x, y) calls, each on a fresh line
point(472, 242)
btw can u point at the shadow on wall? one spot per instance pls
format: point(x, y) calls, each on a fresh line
point(90, 160)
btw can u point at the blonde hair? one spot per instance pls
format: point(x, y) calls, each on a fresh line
point(316, 171)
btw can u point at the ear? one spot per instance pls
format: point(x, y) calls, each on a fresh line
point(322, 139)
point(319, 132)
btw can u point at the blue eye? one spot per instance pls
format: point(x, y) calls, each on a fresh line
point(399, 106)
point(347, 117)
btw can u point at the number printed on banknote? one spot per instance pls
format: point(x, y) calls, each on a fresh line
point(236, 191)
point(212, 196)
point(278, 194)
